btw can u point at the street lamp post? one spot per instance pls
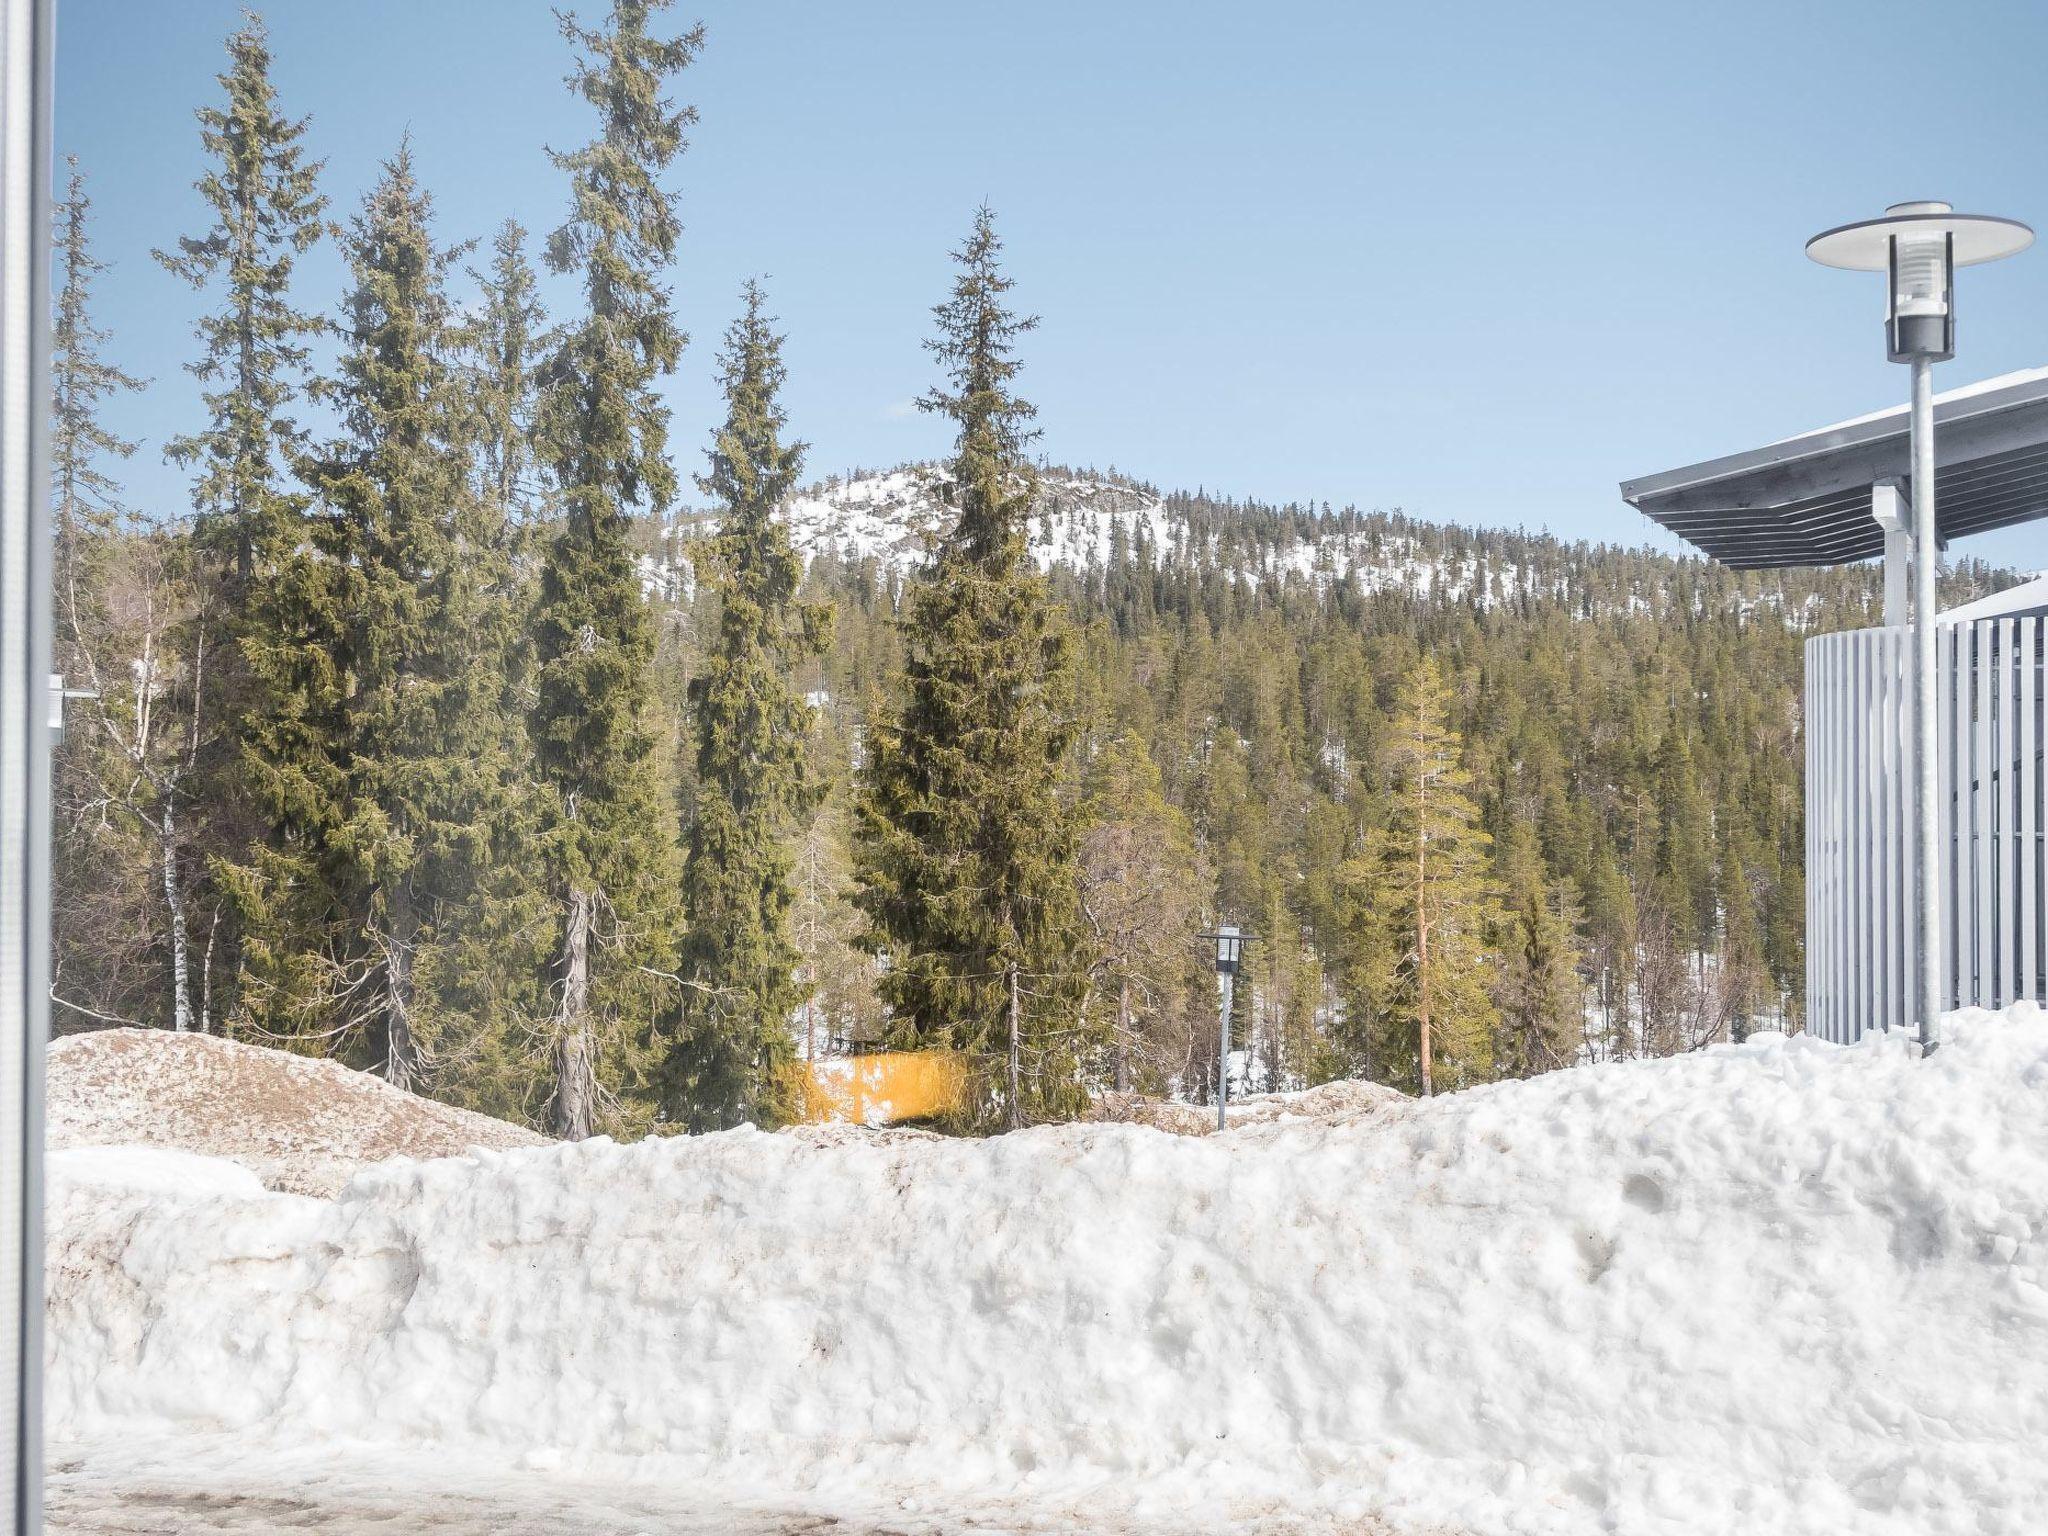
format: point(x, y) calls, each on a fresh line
point(1230, 943)
point(1918, 247)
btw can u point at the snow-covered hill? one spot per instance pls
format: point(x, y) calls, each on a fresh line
point(1084, 521)
point(1782, 1286)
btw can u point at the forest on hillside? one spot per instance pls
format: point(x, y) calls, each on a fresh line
point(396, 745)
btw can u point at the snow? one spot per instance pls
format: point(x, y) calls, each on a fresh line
point(1782, 1286)
point(158, 1172)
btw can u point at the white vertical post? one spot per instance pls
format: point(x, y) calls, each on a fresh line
point(1816, 941)
point(1953, 772)
point(1907, 917)
point(24, 737)
point(1983, 795)
point(2009, 746)
point(1890, 510)
point(1857, 800)
point(2029, 759)
point(1924, 765)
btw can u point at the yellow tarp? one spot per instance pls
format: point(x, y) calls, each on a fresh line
point(884, 1088)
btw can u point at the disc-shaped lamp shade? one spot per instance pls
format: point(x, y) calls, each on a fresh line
point(1866, 246)
point(1919, 246)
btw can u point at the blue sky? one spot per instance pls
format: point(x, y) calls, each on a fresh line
point(1478, 261)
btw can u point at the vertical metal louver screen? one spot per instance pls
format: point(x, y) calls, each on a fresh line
point(24, 741)
point(1990, 722)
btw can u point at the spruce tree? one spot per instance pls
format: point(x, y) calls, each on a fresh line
point(608, 841)
point(731, 1059)
point(267, 210)
point(85, 499)
point(969, 863)
point(425, 771)
point(506, 341)
point(266, 609)
point(1541, 990)
point(489, 971)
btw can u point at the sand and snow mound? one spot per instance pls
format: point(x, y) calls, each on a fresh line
point(299, 1124)
point(1343, 1102)
point(1782, 1286)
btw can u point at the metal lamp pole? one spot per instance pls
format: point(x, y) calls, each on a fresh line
point(1918, 247)
point(1926, 748)
point(1230, 943)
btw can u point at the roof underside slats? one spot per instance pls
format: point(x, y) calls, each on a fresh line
point(1806, 501)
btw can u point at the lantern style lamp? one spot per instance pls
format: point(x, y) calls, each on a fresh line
point(1918, 247)
point(1230, 943)
point(1229, 950)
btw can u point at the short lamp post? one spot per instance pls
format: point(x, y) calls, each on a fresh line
point(1230, 943)
point(1918, 247)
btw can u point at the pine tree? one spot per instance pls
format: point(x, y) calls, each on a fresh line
point(731, 1060)
point(608, 845)
point(969, 860)
point(265, 604)
point(1438, 893)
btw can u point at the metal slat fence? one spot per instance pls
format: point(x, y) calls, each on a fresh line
point(1860, 931)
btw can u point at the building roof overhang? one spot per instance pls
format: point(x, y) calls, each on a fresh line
point(1806, 500)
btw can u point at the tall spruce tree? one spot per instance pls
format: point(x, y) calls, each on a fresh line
point(608, 844)
point(732, 1057)
point(426, 780)
point(969, 863)
point(489, 974)
point(266, 603)
point(267, 209)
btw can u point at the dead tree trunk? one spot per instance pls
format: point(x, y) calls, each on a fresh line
point(402, 1057)
point(1016, 1053)
point(1123, 1035)
point(575, 1103)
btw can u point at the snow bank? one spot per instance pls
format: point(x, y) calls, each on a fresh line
point(1783, 1286)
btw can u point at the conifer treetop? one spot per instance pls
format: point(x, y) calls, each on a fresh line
point(622, 231)
point(81, 379)
point(267, 212)
point(977, 346)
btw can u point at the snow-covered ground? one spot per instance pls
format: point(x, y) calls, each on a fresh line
point(1782, 1286)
